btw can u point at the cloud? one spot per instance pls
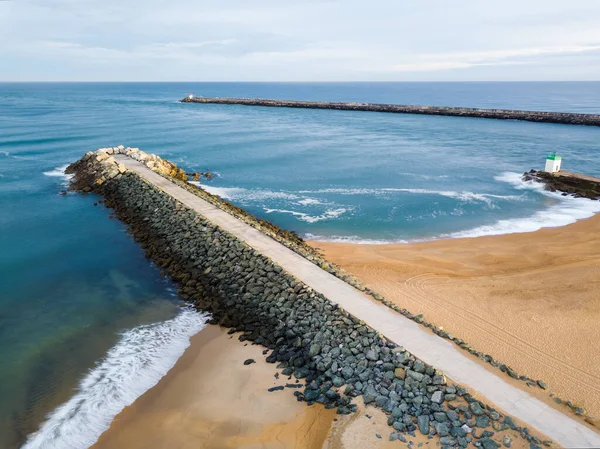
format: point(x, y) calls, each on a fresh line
point(450, 61)
point(310, 40)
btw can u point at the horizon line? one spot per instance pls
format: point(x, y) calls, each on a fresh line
point(299, 82)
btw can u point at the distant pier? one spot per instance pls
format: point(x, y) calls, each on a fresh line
point(566, 118)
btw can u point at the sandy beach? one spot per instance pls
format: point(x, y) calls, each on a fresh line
point(531, 300)
point(211, 400)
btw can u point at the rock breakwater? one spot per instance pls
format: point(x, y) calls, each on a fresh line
point(580, 186)
point(567, 118)
point(110, 168)
point(310, 338)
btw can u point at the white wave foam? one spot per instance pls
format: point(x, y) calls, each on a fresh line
point(565, 210)
point(461, 196)
point(329, 214)
point(353, 239)
point(135, 364)
point(562, 211)
point(309, 201)
point(556, 216)
point(59, 172)
point(5, 153)
point(514, 179)
point(239, 193)
point(249, 195)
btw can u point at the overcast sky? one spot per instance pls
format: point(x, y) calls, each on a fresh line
point(299, 40)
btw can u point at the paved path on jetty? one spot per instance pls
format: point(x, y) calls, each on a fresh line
point(567, 118)
point(426, 346)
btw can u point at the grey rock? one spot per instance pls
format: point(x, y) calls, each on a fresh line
point(447, 441)
point(419, 367)
point(399, 426)
point(370, 395)
point(440, 417)
point(314, 350)
point(347, 372)
point(488, 443)
point(442, 428)
point(423, 423)
point(338, 381)
point(371, 355)
point(510, 423)
point(476, 408)
point(415, 376)
point(437, 397)
point(452, 415)
point(482, 421)
point(381, 401)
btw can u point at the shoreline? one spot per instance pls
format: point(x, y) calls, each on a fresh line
point(211, 399)
point(482, 290)
point(378, 350)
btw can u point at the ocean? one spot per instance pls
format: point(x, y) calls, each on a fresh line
point(87, 324)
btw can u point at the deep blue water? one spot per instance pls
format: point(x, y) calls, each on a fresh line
point(72, 281)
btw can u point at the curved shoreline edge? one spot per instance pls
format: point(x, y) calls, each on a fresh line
point(566, 118)
point(205, 260)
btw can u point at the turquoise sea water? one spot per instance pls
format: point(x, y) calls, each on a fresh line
point(78, 300)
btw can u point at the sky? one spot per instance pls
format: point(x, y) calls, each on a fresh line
point(299, 40)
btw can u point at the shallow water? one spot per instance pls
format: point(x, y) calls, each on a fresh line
point(72, 281)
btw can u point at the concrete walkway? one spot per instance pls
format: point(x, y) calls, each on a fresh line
point(426, 346)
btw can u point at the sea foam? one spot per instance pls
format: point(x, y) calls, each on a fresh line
point(141, 357)
point(239, 193)
point(565, 210)
point(562, 211)
point(327, 215)
point(59, 172)
point(462, 196)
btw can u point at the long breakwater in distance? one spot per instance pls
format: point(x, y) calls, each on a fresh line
point(566, 118)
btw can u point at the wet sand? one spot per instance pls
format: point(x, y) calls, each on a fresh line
point(531, 300)
point(211, 400)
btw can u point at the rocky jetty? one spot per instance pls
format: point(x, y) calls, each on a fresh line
point(97, 167)
point(308, 337)
point(567, 118)
point(579, 186)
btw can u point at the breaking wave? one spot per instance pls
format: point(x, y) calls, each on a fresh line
point(59, 172)
point(565, 210)
point(141, 357)
point(327, 215)
point(461, 196)
point(239, 193)
point(353, 239)
point(559, 211)
point(300, 197)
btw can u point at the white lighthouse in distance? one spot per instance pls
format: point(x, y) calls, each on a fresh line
point(190, 96)
point(553, 163)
